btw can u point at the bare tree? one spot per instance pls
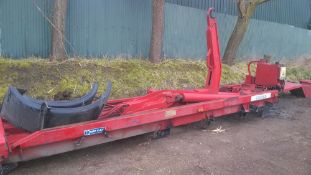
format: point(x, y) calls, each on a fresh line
point(246, 9)
point(157, 31)
point(58, 34)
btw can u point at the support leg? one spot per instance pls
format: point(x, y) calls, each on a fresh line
point(162, 133)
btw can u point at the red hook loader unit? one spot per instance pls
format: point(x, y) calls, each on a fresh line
point(31, 129)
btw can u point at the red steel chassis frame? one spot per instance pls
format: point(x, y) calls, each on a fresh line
point(156, 111)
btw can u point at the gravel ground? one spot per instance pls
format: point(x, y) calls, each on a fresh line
point(278, 143)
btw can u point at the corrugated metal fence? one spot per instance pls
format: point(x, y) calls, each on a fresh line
point(25, 31)
point(101, 28)
point(95, 28)
point(109, 28)
point(185, 36)
point(292, 12)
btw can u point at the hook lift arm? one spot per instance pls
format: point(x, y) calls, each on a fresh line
point(213, 59)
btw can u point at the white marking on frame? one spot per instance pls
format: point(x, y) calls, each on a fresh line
point(170, 113)
point(261, 97)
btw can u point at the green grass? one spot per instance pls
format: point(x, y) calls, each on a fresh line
point(44, 79)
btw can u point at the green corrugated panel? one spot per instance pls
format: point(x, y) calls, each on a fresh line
point(111, 28)
point(185, 36)
point(292, 12)
point(24, 31)
point(123, 27)
point(94, 28)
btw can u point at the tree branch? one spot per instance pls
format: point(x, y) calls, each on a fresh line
point(261, 1)
point(245, 8)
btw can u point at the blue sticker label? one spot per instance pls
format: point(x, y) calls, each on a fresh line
point(94, 131)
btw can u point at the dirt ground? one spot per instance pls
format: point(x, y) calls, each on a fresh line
point(277, 144)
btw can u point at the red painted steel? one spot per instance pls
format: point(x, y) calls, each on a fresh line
point(306, 87)
point(300, 89)
point(159, 119)
point(198, 97)
point(158, 110)
point(267, 75)
point(213, 59)
point(289, 86)
point(3, 144)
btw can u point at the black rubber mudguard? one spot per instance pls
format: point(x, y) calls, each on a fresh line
point(84, 100)
point(21, 112)
point(28, 115)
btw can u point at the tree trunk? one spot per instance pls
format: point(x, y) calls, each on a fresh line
point(235, 40)
point(58, 33)
point(157, 31)
point(246, 9)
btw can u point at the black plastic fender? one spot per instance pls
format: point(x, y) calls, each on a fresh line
point(21, 112)
point(84, 100)
point(28, 115)
point(61, 116)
